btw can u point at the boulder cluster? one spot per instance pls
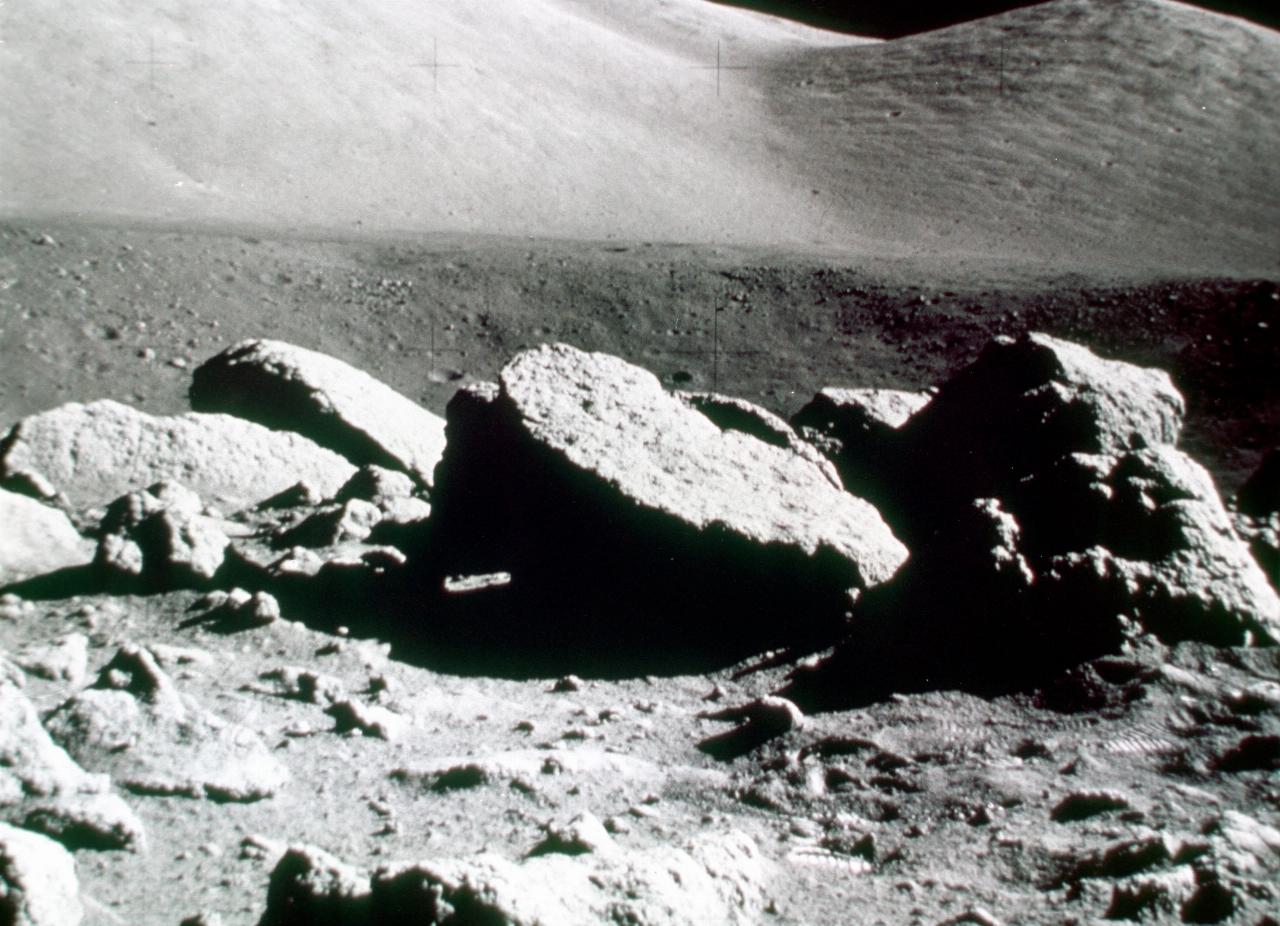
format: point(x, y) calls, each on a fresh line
point(1030, 513)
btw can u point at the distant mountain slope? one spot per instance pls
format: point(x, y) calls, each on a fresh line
point(1132, 132)
point(1141, 129)
point(550, 117)
point(893, 18)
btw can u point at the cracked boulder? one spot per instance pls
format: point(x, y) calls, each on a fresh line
point(95, 453)
point(625, 516)
point(43, 789)
point(331, 402)
point(135, 725)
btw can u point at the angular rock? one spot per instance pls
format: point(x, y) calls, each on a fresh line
point(37, 539)
point(719, 879)
point(354, 519)
point(634, 518)
point(161, 536)
point(376, 484)
point(1151, 525)
point(309, 887)
point(1019, 407)
point(336, 405)
point(1073, 553)
point(369, 719)
point(38, 883)
point(97, 452)
point(856, 429)
point(43, 789)
point(135, 724)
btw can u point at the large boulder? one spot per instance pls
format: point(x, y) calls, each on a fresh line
point(331, 402)
point(1070, 526)
point(614, 503)
point(134, 724)
point(97, 452)
point(38, 883)
point(37, 539)
point(1022, 405)
point(43, 789)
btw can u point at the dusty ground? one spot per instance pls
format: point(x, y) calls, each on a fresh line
point(954, 792)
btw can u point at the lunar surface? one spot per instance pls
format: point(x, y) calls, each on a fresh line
point(593, 461)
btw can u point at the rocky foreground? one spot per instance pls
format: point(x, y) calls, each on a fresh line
point(1027, 530)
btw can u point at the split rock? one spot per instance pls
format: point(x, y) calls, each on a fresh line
point(331, 402)
point(38, 884)
point(136, 725)
point(601, 493)
point(97, 452)
point(43, 789)
point(37, 539)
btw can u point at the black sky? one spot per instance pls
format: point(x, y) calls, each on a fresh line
point(892, 18)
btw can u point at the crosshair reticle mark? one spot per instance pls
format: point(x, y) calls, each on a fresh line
point(717, 351)
point(152, 62)
point(720, 66)
point(435, 64)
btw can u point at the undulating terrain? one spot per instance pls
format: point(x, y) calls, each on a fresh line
point(487, 690)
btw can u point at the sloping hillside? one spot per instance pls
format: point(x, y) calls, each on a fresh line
point(1116, 134)
point(544, 117)
point(1109, 131)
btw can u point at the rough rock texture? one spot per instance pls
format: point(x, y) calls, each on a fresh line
point(1095, 530)
point(38, 884)
point(97, 452)
point(42, 789)
point(1022, 405)
point(600, 492)
point(856, 430)
point(66, 659)
point(135, 724)
point(37, 539)
point(710, 880)
point(331, 402)
point(160, 535)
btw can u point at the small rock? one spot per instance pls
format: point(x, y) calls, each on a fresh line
point(568, 683)
point(134, 724)
point(581, 835)
point(369, 719)
point(65, 660)
point(305, 685)
point(1080, 805)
